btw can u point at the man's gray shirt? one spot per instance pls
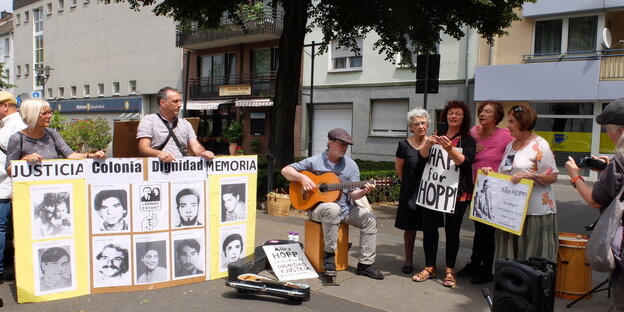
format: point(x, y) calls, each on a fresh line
point(151, 126)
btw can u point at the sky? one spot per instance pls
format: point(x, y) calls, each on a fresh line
point(6, 5)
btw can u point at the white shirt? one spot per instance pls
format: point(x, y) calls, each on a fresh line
point(12, 124)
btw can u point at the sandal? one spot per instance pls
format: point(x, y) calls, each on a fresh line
point(449, 278)
point(425, 274)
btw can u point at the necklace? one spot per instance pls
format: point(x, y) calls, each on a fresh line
point(525, 139)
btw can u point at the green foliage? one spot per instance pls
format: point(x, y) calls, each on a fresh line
point(382, 193)
point(255, 145)
point(87, 134)
point(371, 165)
point(58, 121)
point(251, 12)
point(4, 78)
point(234, 132)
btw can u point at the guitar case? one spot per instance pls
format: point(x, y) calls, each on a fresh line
point(242, 275)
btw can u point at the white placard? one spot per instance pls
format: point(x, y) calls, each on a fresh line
point(289, 262)
point(438, 186)
point(182, 169)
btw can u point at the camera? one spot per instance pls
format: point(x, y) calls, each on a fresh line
point(441, 128)
point(592, 163)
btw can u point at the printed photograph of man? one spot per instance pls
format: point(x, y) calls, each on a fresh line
point(112, 265)
point(233, 207)
point(151, 262)
point(52, 216)
point(482, 208)
point(188, 258)
point(54, 265)
point(232, 249)
point(187, 206)
point(112, 208)
point(146, 194)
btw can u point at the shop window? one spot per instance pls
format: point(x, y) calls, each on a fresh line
point(388, 117)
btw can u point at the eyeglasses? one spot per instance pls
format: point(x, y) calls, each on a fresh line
point(517, 109)
point(418, 124)
point(487, 111)
point(45, 113)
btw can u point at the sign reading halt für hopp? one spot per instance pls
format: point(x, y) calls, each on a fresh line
point(438, 186)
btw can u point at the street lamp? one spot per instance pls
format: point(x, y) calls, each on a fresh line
point(43, 73)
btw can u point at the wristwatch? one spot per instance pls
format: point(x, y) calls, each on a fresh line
point(573, 180)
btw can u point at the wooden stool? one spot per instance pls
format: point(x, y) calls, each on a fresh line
point(315, 246)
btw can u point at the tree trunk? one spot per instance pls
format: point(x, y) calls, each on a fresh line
point(288, 82)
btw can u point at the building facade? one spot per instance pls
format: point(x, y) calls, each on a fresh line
point(566, 60)
point(90, 59)
point(6, 47)
point(370, 97)
point(231, 75)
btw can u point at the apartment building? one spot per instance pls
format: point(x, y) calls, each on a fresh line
point(565, 59)
point(89, 59)
point(370, 97)
point(6, 47)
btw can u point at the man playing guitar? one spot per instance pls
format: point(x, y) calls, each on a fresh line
point(343, 210)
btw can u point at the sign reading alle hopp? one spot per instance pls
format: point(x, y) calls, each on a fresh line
point(126, 224)
point(438, 186)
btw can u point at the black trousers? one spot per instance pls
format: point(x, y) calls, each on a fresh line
point(483, 247)
point(452, 225)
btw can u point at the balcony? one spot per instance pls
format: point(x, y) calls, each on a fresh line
point(266, 25)
point(262, 85)
point(612, 65)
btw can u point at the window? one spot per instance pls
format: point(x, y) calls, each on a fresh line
point(26, 16)
point(343, 59)
point(26, 70)
point(18, 19)
point(18, 68)
point(100, 89)
point(115, 88)
point(49, 11)
point(61, 5)
point(72, 92)
point(388, 117)
point(7, 46)
point(86, 90)
point(38, 41)
point(263, 66)
point(73, 3)
point(566, 35)
point(61, 92)
point(49, 94)
point(132, 87)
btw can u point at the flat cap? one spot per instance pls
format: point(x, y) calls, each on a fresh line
point(612, 114)
point(7, 97)
point(340, 134)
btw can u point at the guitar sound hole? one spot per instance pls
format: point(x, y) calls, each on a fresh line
point(323, 188)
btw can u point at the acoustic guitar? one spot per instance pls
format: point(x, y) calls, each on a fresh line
point(329, 189)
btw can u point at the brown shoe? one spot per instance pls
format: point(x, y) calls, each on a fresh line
point(425, 274)
point(449, 278)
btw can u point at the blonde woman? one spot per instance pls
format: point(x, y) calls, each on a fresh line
point(38, 142)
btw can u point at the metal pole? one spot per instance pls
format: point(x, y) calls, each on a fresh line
point(311, 106)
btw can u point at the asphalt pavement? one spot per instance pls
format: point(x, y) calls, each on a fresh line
point(397, 292)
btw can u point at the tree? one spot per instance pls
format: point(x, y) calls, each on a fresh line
point(4, 78)
point(404, 26)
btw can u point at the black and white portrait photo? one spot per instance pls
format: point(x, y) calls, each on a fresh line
point(232, 245)
point(111, 261)
point(483, 201)
point(52, 211)
point(189, 260)
point(54, 268)
point(151, 262)
point(188, 208)
point(233, 202)
point(111, 211)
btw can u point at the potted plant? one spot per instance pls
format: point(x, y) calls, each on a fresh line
point(234, 134)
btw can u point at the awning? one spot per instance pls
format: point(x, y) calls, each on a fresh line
point(254, 103)
point(205, 104)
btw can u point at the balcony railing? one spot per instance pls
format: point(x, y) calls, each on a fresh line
point(270, 21)
point(262, 85)
point(556, 57)
point(612, 65)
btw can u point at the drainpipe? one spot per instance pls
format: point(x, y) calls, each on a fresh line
point(466, 64)
point(186, 81)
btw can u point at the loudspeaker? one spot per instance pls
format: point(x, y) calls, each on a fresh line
point(524, 285)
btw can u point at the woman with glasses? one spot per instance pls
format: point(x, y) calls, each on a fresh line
point(491, 143)
point(409, 165)
point(460, 147)
point(529, 156)
point(38, 142)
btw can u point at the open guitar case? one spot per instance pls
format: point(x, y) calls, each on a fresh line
point(242, 276)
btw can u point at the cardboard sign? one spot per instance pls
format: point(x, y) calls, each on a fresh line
point(438, 186)
point(289, 262)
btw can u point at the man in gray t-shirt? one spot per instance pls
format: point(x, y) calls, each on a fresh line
point(154, 136)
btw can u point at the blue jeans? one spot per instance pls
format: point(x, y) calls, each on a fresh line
point(5, 213)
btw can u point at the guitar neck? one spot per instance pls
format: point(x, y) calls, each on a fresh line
point(347, 185)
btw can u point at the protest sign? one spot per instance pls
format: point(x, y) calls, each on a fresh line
point(499, 202)
point(438, 186)
point(289, 262)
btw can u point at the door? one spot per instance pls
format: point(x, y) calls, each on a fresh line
point(327, 117)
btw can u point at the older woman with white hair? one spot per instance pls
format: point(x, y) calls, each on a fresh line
point(409, 165)
point(38, 142)
point(607, 187)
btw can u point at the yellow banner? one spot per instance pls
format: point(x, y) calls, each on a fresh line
point(567, 141)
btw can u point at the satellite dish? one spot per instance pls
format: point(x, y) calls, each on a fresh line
point(606, 37)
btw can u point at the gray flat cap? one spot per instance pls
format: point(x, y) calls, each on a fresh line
point(613, 114)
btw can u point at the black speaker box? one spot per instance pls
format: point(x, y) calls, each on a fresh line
point(524, 285)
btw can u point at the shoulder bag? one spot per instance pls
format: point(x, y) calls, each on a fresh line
point(599, 252)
